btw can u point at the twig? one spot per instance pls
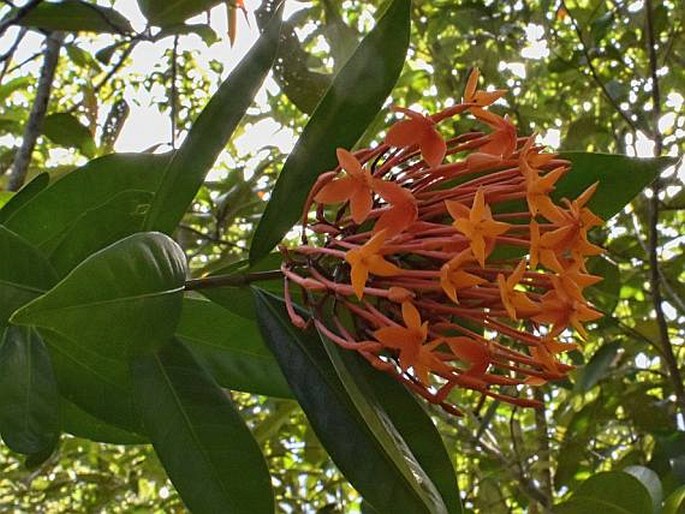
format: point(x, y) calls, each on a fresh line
point(234, 280)
point(654, 277)
point(34, 125)
point(593, 70)
point(174, 92)
point(21, 12)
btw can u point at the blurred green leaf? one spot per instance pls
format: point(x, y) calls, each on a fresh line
point(205, 447)
point(620, 179)
point(75, 16)
point(29, 408)
point(345, 422)
point(611, 492)
point(122, 300)
point(204, 31)
point(650, 480)
point(171, 12)
point(597, 367)
point(210, 132)
point(64, 129)
point(339, 120)
point(675, 503)
point(230, 348)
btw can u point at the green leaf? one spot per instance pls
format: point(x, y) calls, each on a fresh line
point(620, 179)
point(345, 422)
point(611, 492)
point(75, 16)
point(348, 107)
point(46, 217)
point(63, 129)
point(101, 226)
point(79, 423)
point(202, 441)
point(26, 193)
point(675, 503)
point(650, 480)
point(410, 419)
point(29, 408)
point(204, 31)
point(230, 348)
point(210, 132)
point(122, 300)
point(597, 367)
point(24, 273)
point(170, 12)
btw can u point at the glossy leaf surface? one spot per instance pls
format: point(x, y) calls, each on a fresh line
point(205, 447)
point(339, 120)
point(230, 348)
point(388, 475)
point(29, 408)
point(121, 301)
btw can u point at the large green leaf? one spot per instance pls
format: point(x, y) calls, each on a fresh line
point(25, 194)
point(377, 391)
point(122, 300)
point(358, 435)
point(65, 130)
point(611, 492)
point(169, 12)
point(47, 216)
point(230, 348)
point(210, 132)
point(79, 423)
point(75, 16)
point(597, 367)
point(620, 178)
point(29, 408)
point(205, 447)
point(98, 227)
point(350, 104)
point(24, 273)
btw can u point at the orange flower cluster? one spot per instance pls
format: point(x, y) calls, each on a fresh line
point(446, 262)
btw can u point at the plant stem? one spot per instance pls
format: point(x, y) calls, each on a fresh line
point(655, 279)
point(233, 280)
point(22, 159)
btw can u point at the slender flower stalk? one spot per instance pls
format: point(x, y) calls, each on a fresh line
point(446, 262)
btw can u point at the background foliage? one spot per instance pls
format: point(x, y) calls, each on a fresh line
point(600, 76)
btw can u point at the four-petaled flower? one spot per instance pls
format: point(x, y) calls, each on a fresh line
point(367, 259)
point(418, 130)
point(477, 224)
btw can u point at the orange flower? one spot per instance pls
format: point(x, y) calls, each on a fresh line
point(409, 341)
point(355, 187)
point(477, 224)
point(403, 210)
point(418, 130)
point(502, 142)
point(562, 311)
point(453, 279)
point(368, 259)
point(480, 98)
point(516, 302)
point(539, 187)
